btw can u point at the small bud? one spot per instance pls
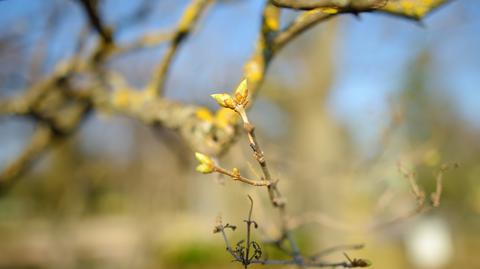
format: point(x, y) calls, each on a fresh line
point(236, 172)
point(224, 100)
point(241, 93)
point(204, 168)
point(206, 165)
point(203, 159)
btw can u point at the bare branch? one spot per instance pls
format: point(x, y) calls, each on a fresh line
point(184, 29)
point(91, 10)
point(146, 41)
point(39, 141)
point(437, 195)
point(408, 9)
point(302, 23)
point(308, 4)
point(325, 9)
point(411, 9)
point(419, 195)
point(221, 228)
point(241, 178)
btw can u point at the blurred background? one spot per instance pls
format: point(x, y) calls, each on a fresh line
point(341, 107)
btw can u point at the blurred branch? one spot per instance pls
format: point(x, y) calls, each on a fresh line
point(60, 104)
point(415, 189)
point(409, 9)
point(271, 38)
point(419, 195)
point(183, 30)
point(307, 4)
point(14, 106)
point(145, 41)
point(91, 9)
point(302, 23)
point(39, 141)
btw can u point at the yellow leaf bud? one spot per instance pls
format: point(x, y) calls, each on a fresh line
point(203, 159)
point(241, 93)
point(224, 100)
point(204, 168)
point(206, 165)
point(236, 172)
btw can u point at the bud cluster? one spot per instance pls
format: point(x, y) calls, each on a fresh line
point(239, 100)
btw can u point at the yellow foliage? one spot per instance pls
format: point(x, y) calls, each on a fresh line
point(241, 93)
point(224, 100)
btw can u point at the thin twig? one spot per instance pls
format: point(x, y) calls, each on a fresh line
point(241, 178)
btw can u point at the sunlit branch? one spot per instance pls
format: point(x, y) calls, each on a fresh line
point(408, 9)
point(302, 23)
point(183, 30)
point(308, 4)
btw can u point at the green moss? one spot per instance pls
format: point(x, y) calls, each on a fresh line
point(196, 254)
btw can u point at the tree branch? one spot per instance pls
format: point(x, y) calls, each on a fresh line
point(183, 30)
point(308, 4)
point(39, 141)
point(91, 10)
